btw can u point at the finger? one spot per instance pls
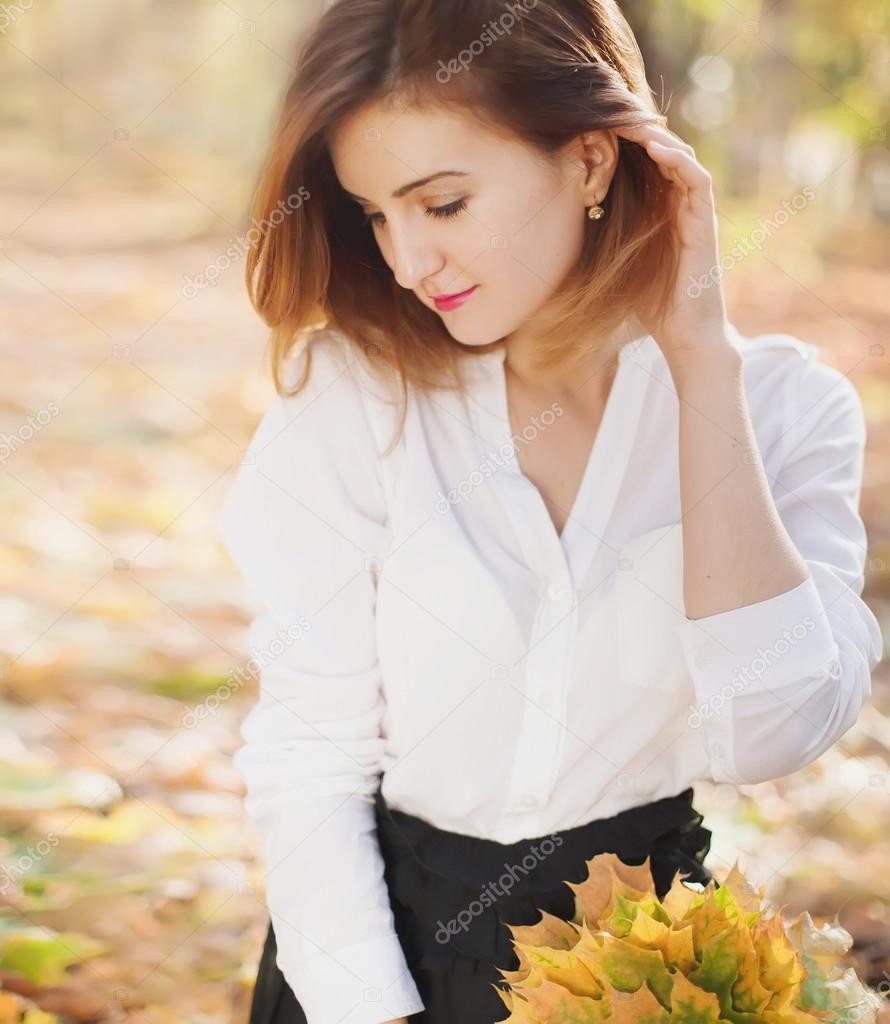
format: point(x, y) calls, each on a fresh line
point(695, 177)
point(671, 170)
point(670, 175)
point(643, 133)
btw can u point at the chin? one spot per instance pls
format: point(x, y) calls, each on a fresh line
point(476, 333)
point(473, 336)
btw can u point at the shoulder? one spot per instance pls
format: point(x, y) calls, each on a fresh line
point(315, 449)
point(774, 356)
point(318, 406)
point(332, 361)
point(784, 359)
point(345, 383)
point(788, 381)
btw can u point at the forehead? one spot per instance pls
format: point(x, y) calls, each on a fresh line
point(379, 148)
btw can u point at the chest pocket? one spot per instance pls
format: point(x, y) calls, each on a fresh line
point(649, 598)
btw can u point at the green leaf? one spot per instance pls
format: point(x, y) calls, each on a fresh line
point(42, 955)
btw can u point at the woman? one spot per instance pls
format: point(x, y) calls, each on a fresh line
point(538, 538)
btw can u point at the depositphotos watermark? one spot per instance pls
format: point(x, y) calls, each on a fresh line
point(751, 243)
point(250, 670)
point(239, 246)
point(747, 674)
point(26, 861)
point(490, 894)
point(9, 13)
point(499, 456)
point(494, 30)
point(865, 1009)
point(26, 432)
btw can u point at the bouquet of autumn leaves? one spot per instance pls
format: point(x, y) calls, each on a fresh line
point(709, 956)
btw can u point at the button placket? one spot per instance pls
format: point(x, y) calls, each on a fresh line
point(613, 452)
point(542, 734)
point(551, 558)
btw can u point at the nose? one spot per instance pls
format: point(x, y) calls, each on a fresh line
point(414, 257)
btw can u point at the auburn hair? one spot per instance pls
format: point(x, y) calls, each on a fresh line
point(564, 68)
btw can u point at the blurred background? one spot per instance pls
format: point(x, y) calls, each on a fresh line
point(132, 132)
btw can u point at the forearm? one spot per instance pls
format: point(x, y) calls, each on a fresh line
point(736, 550)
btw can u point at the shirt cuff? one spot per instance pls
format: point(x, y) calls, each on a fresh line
point(750, 651)
point(365, 983)
point(760, 646)
point(770, 642)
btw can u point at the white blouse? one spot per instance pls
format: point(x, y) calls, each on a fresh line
point(418, 615)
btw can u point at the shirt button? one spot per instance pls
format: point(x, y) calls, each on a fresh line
point(555, 592)
point(529, 801)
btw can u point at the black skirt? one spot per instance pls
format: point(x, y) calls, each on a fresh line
point(434, 877)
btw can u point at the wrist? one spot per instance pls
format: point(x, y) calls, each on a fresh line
point(719, 360)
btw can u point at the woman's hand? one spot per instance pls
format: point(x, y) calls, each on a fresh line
point(696, 322)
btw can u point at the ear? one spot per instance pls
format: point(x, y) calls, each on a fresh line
point(598, 152)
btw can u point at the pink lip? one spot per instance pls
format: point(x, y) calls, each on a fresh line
point(447, 302)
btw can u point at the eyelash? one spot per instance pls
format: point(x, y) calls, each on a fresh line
point(448, 212)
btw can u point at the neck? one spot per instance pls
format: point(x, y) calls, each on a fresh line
point(596, 368)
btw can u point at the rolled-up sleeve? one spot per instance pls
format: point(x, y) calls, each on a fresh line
point(304, 521)
point(779, 681)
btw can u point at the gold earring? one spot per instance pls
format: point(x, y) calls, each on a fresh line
point(596, 212)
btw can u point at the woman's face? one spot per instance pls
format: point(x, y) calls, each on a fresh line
point(510, 224)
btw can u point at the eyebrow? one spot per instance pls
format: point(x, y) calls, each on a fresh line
point(411, 186)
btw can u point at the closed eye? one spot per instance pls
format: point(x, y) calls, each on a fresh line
point(443, 212)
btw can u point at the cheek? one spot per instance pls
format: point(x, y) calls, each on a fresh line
point(551, 238)
point(535, 262)
point(534, 241)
